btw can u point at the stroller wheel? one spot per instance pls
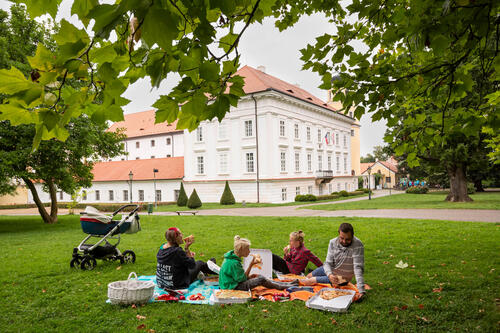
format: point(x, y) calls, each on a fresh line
point(75, 262)
point(88, 263)
point(128, 257)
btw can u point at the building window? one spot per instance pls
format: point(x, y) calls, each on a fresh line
point(137, 144)
point(309, 162)
point(141, 195)
point(283, 194)
point(345, 186)
point(319, 135)
point(352, 132)
point(123, 159)
point(350, 114)
point(297, 162)
point(176, 194)
point(338, 187)
point(329, 162)
point(283, 161)
point(111, 195)
point(320, 162)
point(338, 163)
point(248, 128)
point(320, 192)
point(310, 189)
point(158, 195)
point(345, 164)
point(296, 131)
point(199, 134)
point(168, 155)
point(125, 195)
point(152, 143)
point(249, 162)
point(345, 140)
point(169, 141)
point(222, 130)
point(387, 179)
point(337, 138)
point(308, 131)
point(201, 165)
point(282, 128)
point(97, 195)
point(84, 195)
point(152, 156)
point(223, 163)
point(137, 158)
point(297, 190)
point(330, 188)
point(60, 195)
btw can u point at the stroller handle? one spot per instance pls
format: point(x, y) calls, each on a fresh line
point(125, 206)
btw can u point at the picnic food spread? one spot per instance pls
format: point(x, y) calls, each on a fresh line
point(196, 297)
point(293, 276)
point(257, 261)
point(212, 278)
point(331, 294)
point(228, 293)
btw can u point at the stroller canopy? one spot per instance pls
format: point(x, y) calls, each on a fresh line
point(93, 215)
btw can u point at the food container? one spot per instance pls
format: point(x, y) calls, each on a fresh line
point(284, 277)
point(211, 280)
point(338, 304)
point(229, 300)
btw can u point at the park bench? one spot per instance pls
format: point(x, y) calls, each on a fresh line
point(180, 212)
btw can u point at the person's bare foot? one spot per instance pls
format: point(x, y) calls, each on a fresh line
point(310, 275)
point(309, 281)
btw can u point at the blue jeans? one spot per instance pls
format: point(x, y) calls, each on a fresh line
point(320, 275)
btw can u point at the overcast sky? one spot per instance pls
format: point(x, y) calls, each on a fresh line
point(262, 45)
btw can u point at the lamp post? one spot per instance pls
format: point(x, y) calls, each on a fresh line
point(369, 170)
point(154, 184)
point(130, 177)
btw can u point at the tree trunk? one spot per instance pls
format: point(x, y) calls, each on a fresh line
point(53, 200)
point(478, 184)
point(41, 209)
point(458, 184)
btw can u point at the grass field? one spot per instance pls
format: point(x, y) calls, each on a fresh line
point(459, 261)
point(485, 200)
point(216, 205)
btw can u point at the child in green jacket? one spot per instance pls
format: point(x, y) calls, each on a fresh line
point(232, 275)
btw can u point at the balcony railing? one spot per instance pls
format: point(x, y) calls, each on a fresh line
point(324, 174)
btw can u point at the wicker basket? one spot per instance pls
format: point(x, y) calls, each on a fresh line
point(130, 291)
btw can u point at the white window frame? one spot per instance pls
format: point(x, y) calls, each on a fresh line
point(310, 189)
point(297, 162)
point(248, 124)
point(345, 140)
point(97, 195)
point(125, 195)
point(319, 135)
point(141, 195)
point(320, 162)
point(282, 128)
point(153, 143)
point(249, 162)
point(337, 163)
point(223, 163)
point(111, 195)
point(158, 195)
point(329, 163)
point(296, 130)
point(337, 139)
point(309, 162)
point(283, 194)
point(283, 161)
point(169, 141)
point(137, 144)
point(297, 190)
point(330, 188)
point(308, 133)
point(200, 164)
point(222, 131)
point(345, 164)
point(199, 134)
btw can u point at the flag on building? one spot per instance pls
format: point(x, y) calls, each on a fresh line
point(326, 138)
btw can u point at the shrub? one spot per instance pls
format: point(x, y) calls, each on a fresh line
point(182, 199)
point(360, 182)
point(417, 190)
point(305, 197)
point(335, 193)
point(471, 189)
point(343, 194)
point(327, 197)
point(365, 190)
point(227, 196)
point(194, 200)
point(357, 192)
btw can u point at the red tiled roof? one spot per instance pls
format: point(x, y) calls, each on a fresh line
point(256, 81)
point(168, 168)
point(389, 166)
point(142, 124)
point(364, 166)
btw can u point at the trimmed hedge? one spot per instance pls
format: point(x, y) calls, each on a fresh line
point(305, 197)
point(357, 192)
point(182, 199)
point(327, 197)
point(194, 200)
point(344, 193)
point(227, 196)
point(417, 190)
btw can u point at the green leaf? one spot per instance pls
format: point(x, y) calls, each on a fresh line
point(82, 8)
point(106, 17)
point(13, 81)
point(419, 118)
point(167, 110)
point(39, 7)
point(160, 27)
point(16, 114)
point(44, 59)
point(209, 71)
point(103, 54)
point(69, 34)
point(227, 41)
point(439, 44)
point(48, 118)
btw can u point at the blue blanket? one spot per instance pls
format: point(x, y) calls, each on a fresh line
point(195, 287)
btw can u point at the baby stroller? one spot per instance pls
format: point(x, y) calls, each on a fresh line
point(99, 225)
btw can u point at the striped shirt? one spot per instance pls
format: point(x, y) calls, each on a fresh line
point(346, 261)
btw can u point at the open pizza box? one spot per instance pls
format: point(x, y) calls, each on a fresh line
point(225, 297)
point(337, 304)
point(266, 268)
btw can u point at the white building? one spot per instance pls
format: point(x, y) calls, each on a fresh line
point(279, 142)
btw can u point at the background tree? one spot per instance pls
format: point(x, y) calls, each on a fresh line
point(194, 200)
point(60, 165)
point(368, 159)
point(227, 197)
point(182, 199)
point(380, 153)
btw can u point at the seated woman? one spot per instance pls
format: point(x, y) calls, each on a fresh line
point(296, 256)
point(232, 275)
point(176, 268)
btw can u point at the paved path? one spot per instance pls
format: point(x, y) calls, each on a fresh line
point(475, 215)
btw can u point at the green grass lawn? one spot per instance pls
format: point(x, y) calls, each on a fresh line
point(39, 292)
point(485, 200)
point(216, 205)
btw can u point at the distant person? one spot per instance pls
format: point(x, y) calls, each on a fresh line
point(176, 267)
point(233, 276)
point(296, 256)
point(345, 260)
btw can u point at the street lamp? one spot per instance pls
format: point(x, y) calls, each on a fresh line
point(130, 177)
point(154, 183)
point(369, 170)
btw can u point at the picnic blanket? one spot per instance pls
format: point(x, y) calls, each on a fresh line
point(195, 287)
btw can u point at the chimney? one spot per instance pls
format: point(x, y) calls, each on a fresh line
point(262, 68)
